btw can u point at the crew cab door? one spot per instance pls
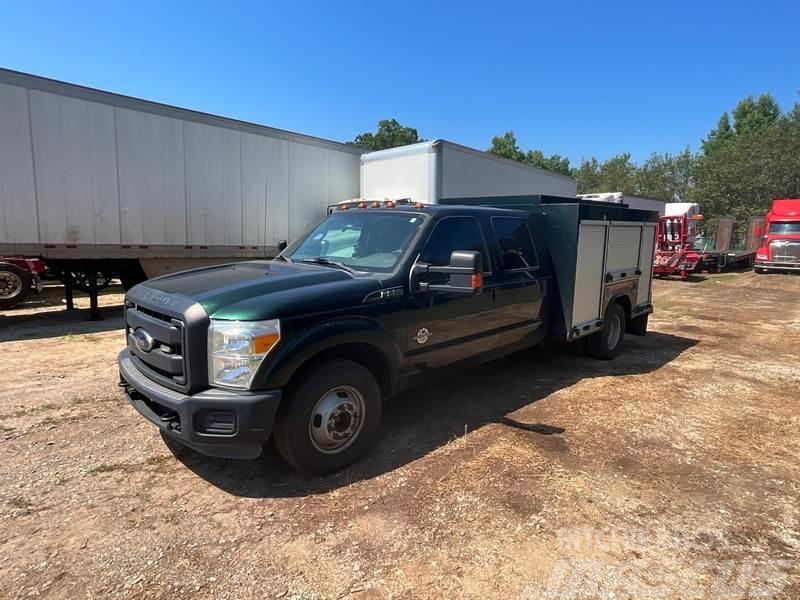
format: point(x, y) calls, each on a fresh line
point(519, 288)
point(445, 328)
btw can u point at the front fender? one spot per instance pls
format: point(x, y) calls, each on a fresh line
point(302, 346)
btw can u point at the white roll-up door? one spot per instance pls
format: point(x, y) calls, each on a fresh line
point(624, 240)
point(646, 250)
point(589, 273)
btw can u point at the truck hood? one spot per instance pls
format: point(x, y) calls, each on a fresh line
point(256, 290)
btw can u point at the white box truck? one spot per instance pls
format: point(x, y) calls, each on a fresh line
point(92, 181)
point(438, 170)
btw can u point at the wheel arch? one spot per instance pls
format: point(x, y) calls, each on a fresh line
point(359, 340)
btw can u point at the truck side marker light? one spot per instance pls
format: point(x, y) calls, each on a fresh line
point(362, 205)
point(419, 205)
point(389, 204)
point(376, 205)
point(263, 343)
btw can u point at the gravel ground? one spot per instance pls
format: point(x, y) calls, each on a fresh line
point(671, 472)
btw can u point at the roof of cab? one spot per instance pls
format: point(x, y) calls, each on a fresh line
point(439, 209)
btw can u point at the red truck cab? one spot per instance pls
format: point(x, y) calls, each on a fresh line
point(780, 238)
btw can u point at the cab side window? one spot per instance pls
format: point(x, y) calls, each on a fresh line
point(454, 233)
point(516, 245)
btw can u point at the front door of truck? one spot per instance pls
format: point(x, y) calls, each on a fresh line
point(518, 286)
point(449, 328)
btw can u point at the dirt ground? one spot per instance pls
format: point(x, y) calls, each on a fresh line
point(671, 472)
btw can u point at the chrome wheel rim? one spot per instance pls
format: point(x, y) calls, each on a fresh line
point(337, 419)
point(614, 332)
point(10, 285)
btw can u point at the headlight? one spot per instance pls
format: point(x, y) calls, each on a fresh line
point(236, 348)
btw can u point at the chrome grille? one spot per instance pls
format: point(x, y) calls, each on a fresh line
point(165, 362)
point(785, 251)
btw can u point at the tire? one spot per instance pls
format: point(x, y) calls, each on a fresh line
point(638, 326)
point(15, 285)
point(80, 280)
point(329, 418)
point(131, 275)
point(607, 343)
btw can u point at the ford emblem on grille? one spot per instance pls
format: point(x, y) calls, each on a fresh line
point(144, 341)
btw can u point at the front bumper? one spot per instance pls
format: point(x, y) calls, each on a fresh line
point(778, 266)
point(214, 422)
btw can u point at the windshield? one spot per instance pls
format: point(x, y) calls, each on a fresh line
point(789, 227)
point(365, 241)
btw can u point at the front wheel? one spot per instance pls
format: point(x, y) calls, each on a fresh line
point(330, 417)
point(607, 343)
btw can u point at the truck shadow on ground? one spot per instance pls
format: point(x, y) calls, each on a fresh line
point(57, 323)
point(423, 419)
point(28, 320)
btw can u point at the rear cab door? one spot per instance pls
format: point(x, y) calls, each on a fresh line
point(519, 290)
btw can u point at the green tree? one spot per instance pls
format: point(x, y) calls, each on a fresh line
point(618, 174)
point(749, 117)
point(741, 177)
point(588, 176)
point(506, 146)
point(554, 162)
point(390, 134)
point(753, 115)
point(718, 136)
point(668, 176)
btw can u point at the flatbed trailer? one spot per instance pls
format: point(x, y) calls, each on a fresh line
point(716, 261)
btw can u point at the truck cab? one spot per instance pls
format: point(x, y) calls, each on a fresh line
point(381, 295)
point(780, 238)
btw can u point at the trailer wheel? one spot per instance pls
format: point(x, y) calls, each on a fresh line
point(607, 343)
point(15, 285)
point(330, 418)
point(80, 280)
point(638, 326)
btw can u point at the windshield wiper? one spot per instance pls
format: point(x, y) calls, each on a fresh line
point(321, 260)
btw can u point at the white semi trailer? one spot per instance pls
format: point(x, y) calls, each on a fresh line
point(92, 181)
point(440, 170)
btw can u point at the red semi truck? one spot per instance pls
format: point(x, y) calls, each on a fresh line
point(780, 238)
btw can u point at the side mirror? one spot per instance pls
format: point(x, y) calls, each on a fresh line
point(465, 270)
point(282, 245)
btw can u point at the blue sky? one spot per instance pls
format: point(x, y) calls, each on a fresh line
point(577, 78)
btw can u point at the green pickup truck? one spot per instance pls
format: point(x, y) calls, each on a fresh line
point(380, 296)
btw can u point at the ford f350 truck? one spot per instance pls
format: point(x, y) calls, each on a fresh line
point(381, 295)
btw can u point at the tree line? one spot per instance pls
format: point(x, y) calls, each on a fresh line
point(750, 157)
